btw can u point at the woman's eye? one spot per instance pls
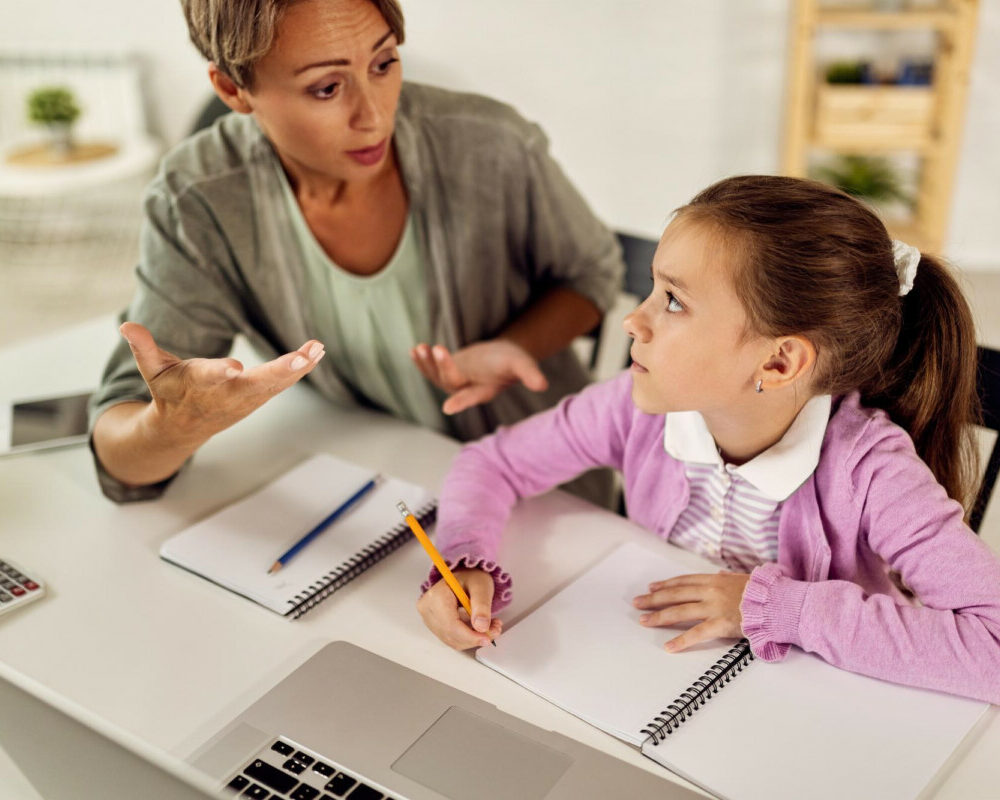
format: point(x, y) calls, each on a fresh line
point(383, 66)
point(673, 304)
point(325, 92)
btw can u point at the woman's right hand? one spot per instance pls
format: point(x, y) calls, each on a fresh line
point(447, 620)
point(195, 398)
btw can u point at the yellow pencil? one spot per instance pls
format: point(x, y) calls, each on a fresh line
point(442, 567)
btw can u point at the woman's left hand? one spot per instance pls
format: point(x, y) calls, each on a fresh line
point(713, 599)
point(477, 373)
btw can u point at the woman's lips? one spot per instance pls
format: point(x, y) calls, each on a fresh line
point(369, 155)
point(635, 366)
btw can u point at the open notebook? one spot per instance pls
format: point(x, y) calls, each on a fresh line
point(737, 727)
point(235, 546)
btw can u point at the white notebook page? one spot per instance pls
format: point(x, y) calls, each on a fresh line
point(797, 728)
point(236, 546)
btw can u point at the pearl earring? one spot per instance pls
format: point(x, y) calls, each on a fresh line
point(759, 387)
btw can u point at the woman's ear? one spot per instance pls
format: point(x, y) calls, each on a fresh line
point(230, 94)
point(793, 359)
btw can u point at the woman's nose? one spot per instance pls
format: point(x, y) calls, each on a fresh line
point(365, 114)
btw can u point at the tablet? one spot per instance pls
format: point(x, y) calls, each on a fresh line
point(43, 422)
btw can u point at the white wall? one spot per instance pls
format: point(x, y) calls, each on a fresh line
point(645, 101)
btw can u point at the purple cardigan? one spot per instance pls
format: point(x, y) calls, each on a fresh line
point(870, 506)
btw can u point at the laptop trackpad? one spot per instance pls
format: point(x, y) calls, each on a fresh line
point(463, 755)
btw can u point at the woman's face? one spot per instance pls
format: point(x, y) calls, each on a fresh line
point(326, 92)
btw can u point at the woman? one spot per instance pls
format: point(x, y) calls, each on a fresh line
point(341, 204)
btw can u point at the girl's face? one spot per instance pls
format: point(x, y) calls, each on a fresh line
point(326, 92)
point(689, 350)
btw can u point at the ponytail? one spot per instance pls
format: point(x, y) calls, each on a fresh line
point(928, 385)
point(813, 260)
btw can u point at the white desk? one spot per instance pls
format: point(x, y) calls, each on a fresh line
point(169, 657)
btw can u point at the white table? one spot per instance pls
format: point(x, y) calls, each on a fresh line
point(169, 657)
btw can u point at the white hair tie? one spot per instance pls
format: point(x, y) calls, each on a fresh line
point(906, 257)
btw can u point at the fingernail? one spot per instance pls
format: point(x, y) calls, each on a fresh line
point(670, 646)
point(231, 372)
point(315, 350)
point(644, 617)
point(481, 623)
point(298, 363)
point(438, 353)
point(485, 643)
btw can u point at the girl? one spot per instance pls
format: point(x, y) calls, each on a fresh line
point(818, 382)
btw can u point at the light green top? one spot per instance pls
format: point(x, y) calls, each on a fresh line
point(369, 322)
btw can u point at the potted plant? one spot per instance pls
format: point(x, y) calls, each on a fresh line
point(55, 107)
point(871, 179)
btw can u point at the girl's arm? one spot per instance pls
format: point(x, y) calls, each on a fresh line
point(487, 478)
point(949, 641)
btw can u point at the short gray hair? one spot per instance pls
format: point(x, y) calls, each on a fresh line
point(236, 34)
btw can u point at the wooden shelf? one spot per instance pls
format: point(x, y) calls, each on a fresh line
point(881, 120)
point(848, 17)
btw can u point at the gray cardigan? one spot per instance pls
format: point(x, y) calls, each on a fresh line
point(496, 222)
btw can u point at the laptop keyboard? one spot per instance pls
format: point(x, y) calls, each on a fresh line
point(284, 769)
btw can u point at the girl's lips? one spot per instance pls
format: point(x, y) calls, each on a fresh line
point(635, 366)
point(369, 155)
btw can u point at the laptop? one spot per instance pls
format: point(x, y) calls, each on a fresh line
point(346, 724)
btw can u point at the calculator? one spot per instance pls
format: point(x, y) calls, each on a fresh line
point(17, 588)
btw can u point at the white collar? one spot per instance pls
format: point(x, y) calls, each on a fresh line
point(779, 470)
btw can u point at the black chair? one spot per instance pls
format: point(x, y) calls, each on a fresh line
point(988, 386)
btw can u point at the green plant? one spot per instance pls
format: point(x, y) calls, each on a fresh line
point(872, 179)
point(52, 104)
point(847, 72)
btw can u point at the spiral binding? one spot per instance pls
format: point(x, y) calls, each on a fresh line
point(371, 554)
point(699, 692)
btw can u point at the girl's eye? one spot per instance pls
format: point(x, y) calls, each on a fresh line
point(383, 66)
point(673, 304)
point(325, 92)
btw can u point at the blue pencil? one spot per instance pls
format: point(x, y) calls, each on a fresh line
point(322, 526)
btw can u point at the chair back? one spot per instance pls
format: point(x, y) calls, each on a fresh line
point(988, 386)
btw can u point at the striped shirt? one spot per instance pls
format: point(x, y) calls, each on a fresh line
point(733, 512)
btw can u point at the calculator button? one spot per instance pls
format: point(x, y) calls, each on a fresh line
point(256, 792)
point(17, 591)
point(5, 596)
point(284, 749)
point(304, 792)
point(323, 769)
point(237, 783)
point(303, 758)
point(7, 584)
point(30, 585)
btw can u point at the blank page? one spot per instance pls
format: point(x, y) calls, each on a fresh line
point(236, 546)
point(796, 728)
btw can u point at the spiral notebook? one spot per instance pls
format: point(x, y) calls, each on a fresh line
point(235, 546)
point(737, 727)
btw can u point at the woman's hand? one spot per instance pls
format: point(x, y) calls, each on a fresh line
point(477, 373)
point(448, 621)
point(713, 599)
point(196, 398)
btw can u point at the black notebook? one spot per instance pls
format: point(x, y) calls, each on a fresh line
point(738, 727)
point(235, 546)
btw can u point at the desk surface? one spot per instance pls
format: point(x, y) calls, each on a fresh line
point(170, 657)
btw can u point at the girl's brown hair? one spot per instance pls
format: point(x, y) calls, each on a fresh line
point(814, 261)
point(236, 34)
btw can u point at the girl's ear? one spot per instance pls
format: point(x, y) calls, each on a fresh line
point(793, 359)
point(230, 94)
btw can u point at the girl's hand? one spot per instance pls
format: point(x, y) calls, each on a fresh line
point(196, 398)
point(477, 373)
point(446, 618)
point(714, 599)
